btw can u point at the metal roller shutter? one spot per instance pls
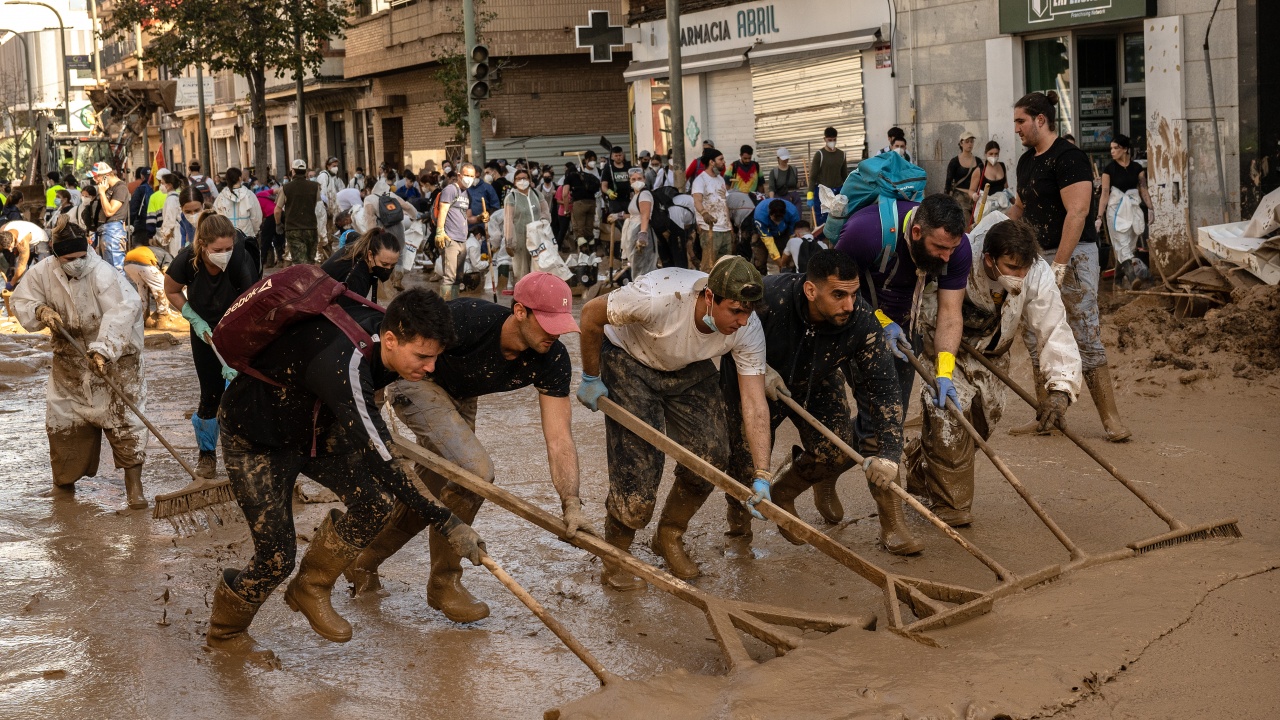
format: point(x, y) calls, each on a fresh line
point(730, 115)
point(797, 97)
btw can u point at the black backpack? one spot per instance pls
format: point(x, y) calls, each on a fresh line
point(808, 246)
point(390, 213)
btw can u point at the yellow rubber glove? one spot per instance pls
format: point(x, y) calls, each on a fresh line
point(771, 246)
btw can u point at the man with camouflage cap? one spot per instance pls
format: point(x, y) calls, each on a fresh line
point(649, 347)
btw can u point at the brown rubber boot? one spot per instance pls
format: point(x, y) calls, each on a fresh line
point(1042, 395)
point(682, 504)
point(784, 493)
point(207, 465)
point(827, 501)
point(133, 488)
point(402, 525)
point(894, 534)
point(1103, 391)
point(445, 591)
point(614, 576)
point(739, 519)
point(229, 623)
point(308, 592)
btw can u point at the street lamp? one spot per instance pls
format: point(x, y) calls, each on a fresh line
point(66, 72)
point(26, 60)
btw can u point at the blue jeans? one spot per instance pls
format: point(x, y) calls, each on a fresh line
point(1080, 296)
point(113, 239)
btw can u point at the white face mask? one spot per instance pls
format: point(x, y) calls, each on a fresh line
point(488, 177)
point(75, 268)
point(831, 144)
point(591, 164)
point(522, 184)
point(221, 259)
point(448, 169)
point(468, 181)
point(193, 218)
point(637, 185)
point(333, 169)
point(993, 159)
point(1011, 283)
point(901, 151)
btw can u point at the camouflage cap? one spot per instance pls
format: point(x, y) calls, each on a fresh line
point(735, 278)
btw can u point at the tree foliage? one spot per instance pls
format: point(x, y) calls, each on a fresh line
point(247, 37)
point(454, 81)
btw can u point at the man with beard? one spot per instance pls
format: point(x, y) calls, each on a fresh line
point(895, 274)
point(498, 350)
point(814, 325)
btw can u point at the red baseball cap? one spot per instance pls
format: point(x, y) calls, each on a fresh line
point(550, 300)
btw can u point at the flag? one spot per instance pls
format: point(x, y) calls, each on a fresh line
point(157, 162)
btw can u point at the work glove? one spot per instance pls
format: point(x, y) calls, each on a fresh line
point(464, 540)
point(1052, 411)
point(229, 373)
point(880, 472)
point(97, 363)
point(773, 384)
point(946, 388)
point(8, 287)
point(1060, 273)
point(441, 240)
point(892, 334)
point(642, 238)
point(201, 328)
point(770, 246)
point(574, 519)
point(611, 194)
point(590, 390)
point(760, 485)
point(49, 317)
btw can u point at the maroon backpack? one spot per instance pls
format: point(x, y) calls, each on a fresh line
point(272, 304)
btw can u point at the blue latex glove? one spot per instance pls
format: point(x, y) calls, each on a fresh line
point(9, 286)
point(590, 390)
point(760, 487)
point(893, 335)
point(229, 373)
point(201, 328)
point(946, 389)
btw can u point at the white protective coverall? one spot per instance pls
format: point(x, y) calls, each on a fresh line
point(104, 313)
point(1125, 223)
point(241, 207)
point(940, 464)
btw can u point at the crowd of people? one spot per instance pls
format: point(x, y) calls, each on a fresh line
point(841, 325)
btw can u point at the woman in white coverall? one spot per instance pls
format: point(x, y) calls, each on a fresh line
point(95, 303)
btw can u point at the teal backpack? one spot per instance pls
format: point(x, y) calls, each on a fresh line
point(884, 180)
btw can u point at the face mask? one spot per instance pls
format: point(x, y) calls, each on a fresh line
point(522, 184)
point(1010, 283)
point(75, 268)
point(831, 144)
point(488, 178)
point(383, 274)
point(656, 166)
point(993, 159)
point(448, 169)
point(546, 179)
point(467, 181)
point(638, 185)
point(193, 218)
point(902, 152)
point(708, 320)
point(333, 169)
point(591, 164)
point(221, 259)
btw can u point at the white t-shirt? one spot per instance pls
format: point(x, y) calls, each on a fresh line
point(349, 198)
point(714, 201)
point(652, 319)
point(793, 248)
point(26, 229)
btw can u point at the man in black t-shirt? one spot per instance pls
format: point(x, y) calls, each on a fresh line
point(1055, 191)
point(615, 183)
point(497, 350)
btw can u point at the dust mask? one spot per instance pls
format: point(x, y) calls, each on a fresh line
point(467, 181)
point(193, 218)
point(902, 152)
point(591, 164)
point(75, 268)
point(638, 185)
point(831, 144)
point(707, 318)
point(1011, 283)
point(993, 159)
point(220, 259)
point(488, 177)
point(522, 184)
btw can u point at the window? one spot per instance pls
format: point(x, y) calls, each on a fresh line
point(1135, 58)
point(1048, 67)
point(660, 101)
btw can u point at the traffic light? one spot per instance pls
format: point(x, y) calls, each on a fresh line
point(479, 73)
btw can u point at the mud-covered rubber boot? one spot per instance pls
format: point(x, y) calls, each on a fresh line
point(614, 576)
point(229, 623)
point(784, 493)
point(1104, 398)
point(827, 501)
point(309, 591)
point(207, 465)
point(445, 591)
point(1042, 395)
point(682, 504)
point(133, 488)
point(739, 519)
point(894, 533)
point(402, 525)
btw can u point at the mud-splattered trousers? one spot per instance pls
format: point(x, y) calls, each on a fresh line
point(1080, 296)
point(262, 480)
point(687, 404)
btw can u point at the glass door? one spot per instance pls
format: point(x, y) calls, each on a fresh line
point(1048, 67)
point(1133, 93)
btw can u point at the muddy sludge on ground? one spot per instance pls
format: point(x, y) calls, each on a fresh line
point(104, 613)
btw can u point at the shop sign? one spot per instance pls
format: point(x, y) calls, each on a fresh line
point(1020, 16)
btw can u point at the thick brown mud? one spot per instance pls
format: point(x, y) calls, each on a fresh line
point(102, 611)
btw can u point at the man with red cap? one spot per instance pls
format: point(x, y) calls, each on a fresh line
point(498, 350)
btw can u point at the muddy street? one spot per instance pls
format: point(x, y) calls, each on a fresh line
point(103, 611)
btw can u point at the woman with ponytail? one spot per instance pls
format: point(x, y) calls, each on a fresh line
point(361, 265)
point(213, 271)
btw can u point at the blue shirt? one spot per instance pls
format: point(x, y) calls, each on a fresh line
point(484, 190)
point(781, 230)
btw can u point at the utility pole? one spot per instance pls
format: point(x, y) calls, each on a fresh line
point(675, 81)
point(297, 79)
point(93, 42)
point(203, 137)
point(474, 131)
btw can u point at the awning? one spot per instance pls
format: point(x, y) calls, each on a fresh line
point(690, 65)
point(844, 42)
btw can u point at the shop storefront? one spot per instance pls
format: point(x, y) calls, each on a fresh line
point(768, 75)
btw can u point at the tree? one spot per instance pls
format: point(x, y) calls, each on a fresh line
point(247, 37)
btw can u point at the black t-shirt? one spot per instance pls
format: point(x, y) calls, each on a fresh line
point(619, 181)
point(959, 176)
point(210, 295)
point(582, 186)
point(352, 273)
point(1040, 182)
point(1123, 179)
point(474, 365)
